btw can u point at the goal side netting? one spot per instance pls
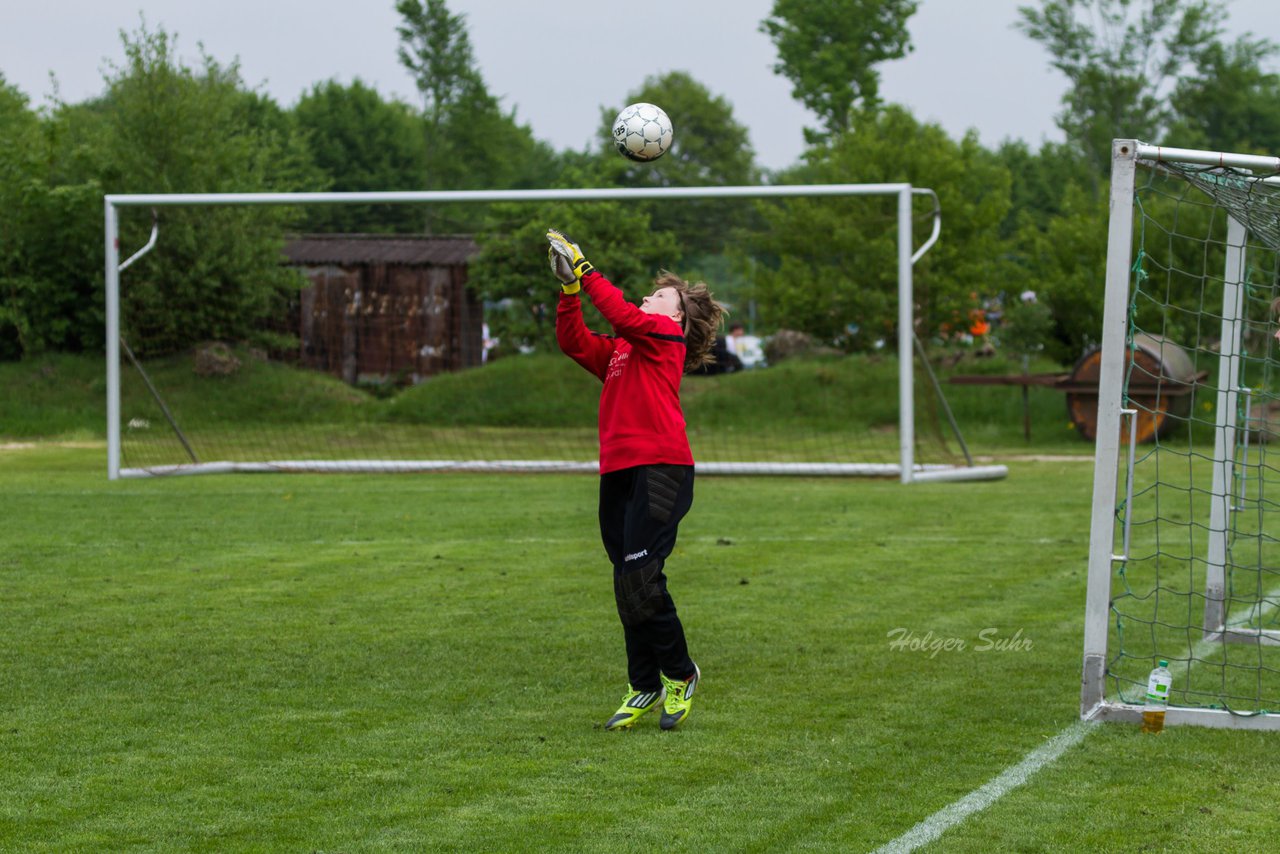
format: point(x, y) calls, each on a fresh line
point(382, 363)
point(1184, 556)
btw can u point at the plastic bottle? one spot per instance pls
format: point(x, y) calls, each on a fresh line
point(1157, 698)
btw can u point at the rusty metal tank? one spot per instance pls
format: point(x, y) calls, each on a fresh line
point(1160, 380)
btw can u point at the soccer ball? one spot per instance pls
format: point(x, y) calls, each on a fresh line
point(642, 132)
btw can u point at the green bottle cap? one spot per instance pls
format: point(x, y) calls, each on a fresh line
point(1164, 663)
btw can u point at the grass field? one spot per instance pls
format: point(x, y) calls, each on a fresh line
point(422, 663)
point(541, 407)
point(64, 396)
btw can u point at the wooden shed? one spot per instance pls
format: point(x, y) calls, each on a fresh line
point(386, 308)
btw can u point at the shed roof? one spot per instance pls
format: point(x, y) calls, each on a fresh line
point(380, 249)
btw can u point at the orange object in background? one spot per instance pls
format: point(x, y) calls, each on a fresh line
point(978, 325)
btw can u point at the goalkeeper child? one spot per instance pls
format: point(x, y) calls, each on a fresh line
point(646, 467)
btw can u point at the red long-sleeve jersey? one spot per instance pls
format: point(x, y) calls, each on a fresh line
point(641, 365)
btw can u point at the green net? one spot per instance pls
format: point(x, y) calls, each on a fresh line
point(1200, 585)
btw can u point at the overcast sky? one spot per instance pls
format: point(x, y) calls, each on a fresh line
point(559, 61)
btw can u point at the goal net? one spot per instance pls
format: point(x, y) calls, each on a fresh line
point(382, 360)
point(1184, 560)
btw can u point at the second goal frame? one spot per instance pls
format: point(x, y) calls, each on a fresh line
point(1109, 541)
point(907, 469)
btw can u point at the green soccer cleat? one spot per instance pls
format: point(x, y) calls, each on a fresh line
point(634, 705)
point(679, 699)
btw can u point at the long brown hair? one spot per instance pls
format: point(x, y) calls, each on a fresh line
point(702, 316)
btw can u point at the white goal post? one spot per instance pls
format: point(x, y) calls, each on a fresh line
point(907, 470)
point(1183, 561)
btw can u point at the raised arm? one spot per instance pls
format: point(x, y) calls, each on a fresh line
point(626, 319)
point(579, 343)
point(575, 272)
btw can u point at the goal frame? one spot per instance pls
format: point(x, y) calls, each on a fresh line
point(907, 470)
point(1126, 156)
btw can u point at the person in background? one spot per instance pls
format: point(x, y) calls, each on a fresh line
point(747, 349)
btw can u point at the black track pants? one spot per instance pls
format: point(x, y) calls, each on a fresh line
point(640, 510)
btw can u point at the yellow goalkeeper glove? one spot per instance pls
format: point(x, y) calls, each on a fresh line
point(567, 262)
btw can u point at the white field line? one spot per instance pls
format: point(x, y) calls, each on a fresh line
point(979, 799)
point(1048, 753)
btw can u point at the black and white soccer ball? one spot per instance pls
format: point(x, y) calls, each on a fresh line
point(642, 132)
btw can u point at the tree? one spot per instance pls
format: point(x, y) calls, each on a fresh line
point(1156, 70)
point(50, 232)
point(486, 148)
point(160, 127)
point(620, 239)
point(828, 49)
point(1064, 262)
point(628, 241)
point(33, 315)
point(711, 149)
point(216, 273)
point(436, 49)
point(1231, 103)
point(828, 267)
point(363, 142)
point(1040, 181)
point(1121, 59)
point(471, 143)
